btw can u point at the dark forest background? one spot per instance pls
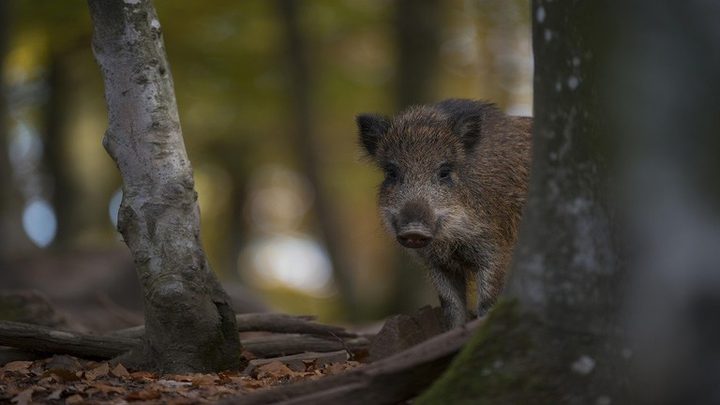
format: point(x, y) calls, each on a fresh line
point(267, 93)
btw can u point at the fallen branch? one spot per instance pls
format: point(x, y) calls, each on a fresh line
point(285, 345)
point(391, 380)
point(300, 361)
point(265, 322)
point(43, 339)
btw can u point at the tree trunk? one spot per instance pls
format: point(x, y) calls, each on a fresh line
point(559, 341)
point(6, 182)
point(417, 35)
point(190, 326)
point(12, 239)
point(63, 194)
point(309, 154)
point(666, 84)
point(417, 26)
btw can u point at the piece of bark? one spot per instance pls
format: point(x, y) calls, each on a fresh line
point(401, 332)
point(265, 322)
point(285, 345)
point(43, 339)
point(301, 361)
point(388, 381)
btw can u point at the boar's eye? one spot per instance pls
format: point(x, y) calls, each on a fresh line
point(444, 173)
point(392, 173)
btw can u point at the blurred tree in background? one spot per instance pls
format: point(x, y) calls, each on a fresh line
point(267, 92)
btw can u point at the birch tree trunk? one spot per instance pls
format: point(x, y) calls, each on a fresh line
point(190, 326)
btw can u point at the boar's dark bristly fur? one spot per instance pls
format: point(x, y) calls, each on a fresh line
point(456, 176)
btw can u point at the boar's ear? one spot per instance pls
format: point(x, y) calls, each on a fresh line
point(467, 126)
point(371, 127)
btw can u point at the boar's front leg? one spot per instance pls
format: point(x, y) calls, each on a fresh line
point(451, 287)
point(491, 278)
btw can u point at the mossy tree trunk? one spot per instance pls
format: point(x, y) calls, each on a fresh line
point(557, 338)
point(665, 84)
point(190, 326)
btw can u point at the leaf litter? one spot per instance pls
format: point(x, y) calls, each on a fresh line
point(65, 379)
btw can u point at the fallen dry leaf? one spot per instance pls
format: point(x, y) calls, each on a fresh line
point(204, 379)
point(142, 376)
point(74, 399)
point(120, 371)
point(24, 397)
point(274, 369)
point(55, 394)
point(180, 377)
point(107, 389)
point(143, 395)
point(18, 366)
point(337, 368)
point(224, 378)
point(100, 371)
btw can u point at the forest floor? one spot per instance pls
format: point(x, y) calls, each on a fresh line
point(63, 379)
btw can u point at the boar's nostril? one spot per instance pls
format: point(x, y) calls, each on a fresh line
point(414, 239)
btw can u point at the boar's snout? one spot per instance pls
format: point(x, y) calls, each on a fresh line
point(414, 238)
point(413, 226)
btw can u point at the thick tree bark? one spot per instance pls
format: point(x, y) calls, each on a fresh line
point(666, 83)
point(190, 325)
point(560, 341)
point(310, 156)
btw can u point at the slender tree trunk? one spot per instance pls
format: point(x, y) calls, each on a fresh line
point(63, 194)
point(559, 342)
point(189, 323)
point(309, 154)
point(417, 25)
point(417, 34)
point(6, 182)
point(13, 240)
